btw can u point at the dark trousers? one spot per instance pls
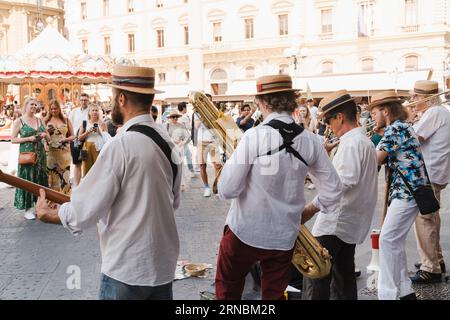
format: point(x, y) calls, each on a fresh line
point(111, 289)
point(234, 261)
point(340, 284)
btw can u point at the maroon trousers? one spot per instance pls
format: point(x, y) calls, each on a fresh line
point(234, 262)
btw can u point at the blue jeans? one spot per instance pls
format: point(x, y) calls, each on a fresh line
point(111, 289)
point(188, 155)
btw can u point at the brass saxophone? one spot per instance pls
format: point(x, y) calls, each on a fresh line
point(309, 257)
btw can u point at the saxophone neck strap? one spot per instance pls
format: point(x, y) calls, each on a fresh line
point(288, 131)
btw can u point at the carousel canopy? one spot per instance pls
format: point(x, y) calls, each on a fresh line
point(51, 57)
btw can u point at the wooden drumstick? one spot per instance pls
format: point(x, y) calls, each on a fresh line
point(51, 195)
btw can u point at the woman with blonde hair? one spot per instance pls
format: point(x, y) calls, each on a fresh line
point(58, 156)
point(303, 117)
point(32, 134)
point(93, 138)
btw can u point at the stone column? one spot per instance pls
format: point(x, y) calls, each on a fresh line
point(196, 67)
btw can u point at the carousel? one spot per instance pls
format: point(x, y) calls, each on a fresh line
point(50, 67)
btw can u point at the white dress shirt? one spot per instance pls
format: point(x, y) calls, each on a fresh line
point(204, 134)
point(77, 116)
point(434, 128)
point(128, 193)
point(356, 163)
point(268, 191)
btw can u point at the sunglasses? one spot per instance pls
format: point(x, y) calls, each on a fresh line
point(328, 119)
point(173, 117)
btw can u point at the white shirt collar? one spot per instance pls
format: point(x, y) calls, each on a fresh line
point(351, 133)
point(136, 120)
point(279, 116)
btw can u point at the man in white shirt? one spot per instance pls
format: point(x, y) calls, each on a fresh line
point(131, 194)
point(267, 189)
point(433, 131)
point(206, 145)
point(186, 122)
point(76, 117)
point(312, 108)
point(340, 231)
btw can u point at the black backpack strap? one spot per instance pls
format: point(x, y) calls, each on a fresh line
point(288, 131)
point(162, 144)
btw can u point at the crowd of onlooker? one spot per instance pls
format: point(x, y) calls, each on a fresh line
point(64, 144)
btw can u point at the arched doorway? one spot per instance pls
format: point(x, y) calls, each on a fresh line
point(219, 82)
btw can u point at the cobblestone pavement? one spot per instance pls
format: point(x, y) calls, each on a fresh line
point(37, 260)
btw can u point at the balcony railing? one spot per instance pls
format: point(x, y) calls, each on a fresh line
point(326, 36)
point(413, 28)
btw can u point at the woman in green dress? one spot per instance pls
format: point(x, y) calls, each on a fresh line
point(29, 131)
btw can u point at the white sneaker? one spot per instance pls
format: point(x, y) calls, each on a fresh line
point(207, 192)
point(29, 214)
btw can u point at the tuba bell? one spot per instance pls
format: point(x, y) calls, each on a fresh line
point(309, 257)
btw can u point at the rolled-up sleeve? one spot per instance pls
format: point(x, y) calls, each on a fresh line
point(93, 198)
point(328, 183)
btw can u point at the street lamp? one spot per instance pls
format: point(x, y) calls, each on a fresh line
point(295, 53)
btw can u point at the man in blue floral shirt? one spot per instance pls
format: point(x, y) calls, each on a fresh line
point(400, 147)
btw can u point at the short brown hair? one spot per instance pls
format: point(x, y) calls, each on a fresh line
point(140, 100)
point(279, 101)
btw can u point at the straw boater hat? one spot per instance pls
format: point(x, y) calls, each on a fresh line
point(134, 79)
point(174, 113)
point(273, 84)
point(426, 90)
point(383, 98)
point(332, 101)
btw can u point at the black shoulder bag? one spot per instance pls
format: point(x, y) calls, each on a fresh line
point(162, 144)
point(288, 131)
point(424, 195)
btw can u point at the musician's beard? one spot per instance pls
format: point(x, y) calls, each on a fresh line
point(116, 115)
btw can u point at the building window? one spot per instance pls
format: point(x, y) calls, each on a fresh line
point(411, 10)
point(84, 46)
point(283, 69)
point(283, 24)
point(131, 43)
point(250, 72)
point(186, 34)
point(105, 8)
point(411, 63)
point(130, 6)
point(107, 45)
point(327, 21)
point(365, 19)
point(159, 3)
point(217, 31)
point(83, 8)
point(367, 65)
point(160, 38)
point(249, 33)
point(327, 67)
point(162, 77)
